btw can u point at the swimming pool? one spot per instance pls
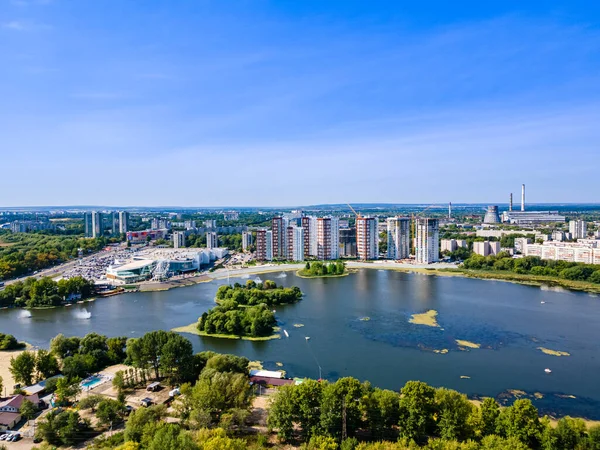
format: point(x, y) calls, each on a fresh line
point(91, 382)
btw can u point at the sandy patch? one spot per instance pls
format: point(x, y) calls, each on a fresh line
point(428, 318)
point(548, 351)
point(467, 344)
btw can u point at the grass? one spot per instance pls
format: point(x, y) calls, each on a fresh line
point(467, 344)
point(547, 351)
point(193, 329)
point(427, 318)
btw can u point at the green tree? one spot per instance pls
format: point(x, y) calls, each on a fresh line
point(28, 409)
point(90, 402)
point(490, 410)
point(176, 360)
point(520, 421)
point(453, 412)
point(1, 386)
point(594, 437)
point(493, 442)
point(172, 437)
point(109, 411)
point(228, 363)
point(46, 364)
point(63, 346)
point(134, 429)
point(66, 389)
point(22, 368)
point(282, 412)
point(417, 407)
point(341, 415)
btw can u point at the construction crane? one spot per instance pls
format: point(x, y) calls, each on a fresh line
point(358, 216)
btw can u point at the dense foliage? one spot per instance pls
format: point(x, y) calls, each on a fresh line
point(256, 293)
point(435, 418)
point(83, 356)
point(245, 310)
point(533, 265)
point(9, 342)
point(45, 291)
point(23, 253)
point(319, 269)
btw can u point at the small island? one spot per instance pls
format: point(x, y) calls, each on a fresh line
point(318, 269)
point(244, 311)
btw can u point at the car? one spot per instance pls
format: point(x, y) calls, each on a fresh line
point(3, 436)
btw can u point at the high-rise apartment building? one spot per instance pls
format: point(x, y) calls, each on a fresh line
point(114, 220)
point(427, 241)
point(367, 238)
point(97, 224)
point(348, 243)
point(263, 245)
point(278, 227)
point(123, 221)
point(295, 243)
point(398, 238)
point(88, 225)
point(578, 229)
point(328, 238)
point(178, 239)
point(210, 223)
point(212, 240)
point(309, 224)
point(246, 240)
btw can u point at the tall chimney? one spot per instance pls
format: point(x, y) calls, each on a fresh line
point(522, 197)
point(510, 203)
point(449, 210)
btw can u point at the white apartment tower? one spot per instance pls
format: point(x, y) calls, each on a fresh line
point(295, 243)
point(212, 239)
point(398, 236)
point(328, 238)
point(123, 221)
point(578, 229)
point(367, 237)
point(97, 224)
point(178, 239)
point(246, 240)
point(427, 242)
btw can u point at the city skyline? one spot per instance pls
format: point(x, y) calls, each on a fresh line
point(116, 104)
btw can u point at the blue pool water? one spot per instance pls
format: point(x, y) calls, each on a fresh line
point(91, 382)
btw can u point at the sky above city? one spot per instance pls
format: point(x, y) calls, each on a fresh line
point(265, 103)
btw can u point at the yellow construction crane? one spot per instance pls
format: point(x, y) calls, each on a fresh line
point(358, 216)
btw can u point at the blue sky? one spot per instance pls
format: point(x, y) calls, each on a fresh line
point(208, 103)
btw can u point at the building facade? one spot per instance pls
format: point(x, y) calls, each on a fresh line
point(452, 244)
point(427, 246)
point(348, 242)
point(212, 240)
point(295, 243)
point(261, 245)
point(486, 248)
point(398, 238)
point(328, 236)
point(309, 225)
point(246, 240)
point(178, 239)
point(367, 238)
point(578, 229)
point(123, 221)
point(278, 228)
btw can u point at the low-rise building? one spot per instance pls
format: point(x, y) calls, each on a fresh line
point(565, 251)
point(486, 248)
point(451, 245)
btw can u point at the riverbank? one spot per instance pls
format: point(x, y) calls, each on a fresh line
point(193, 329)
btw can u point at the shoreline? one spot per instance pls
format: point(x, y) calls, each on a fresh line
point(192, 329)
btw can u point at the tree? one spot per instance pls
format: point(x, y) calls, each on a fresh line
point(340, 408)
point(109, 411)
point(454, 411)
point(78, 366)
point(172, 437)
point(63, 346)
point(22, 368)
point(46, 364)
point(520, 421)
point(90, 402)
point(594, 437)
point(282, 412)
point(177, 357)
point(1, 386)
point(490, 410)
point(416, 410)
point(28, 409)
point(66, 389)
point(228, 363)
point(146, 351)
point(134, 429)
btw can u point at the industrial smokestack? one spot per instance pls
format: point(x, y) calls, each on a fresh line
point(522, 197)
point(449, 210)
point(510, 203)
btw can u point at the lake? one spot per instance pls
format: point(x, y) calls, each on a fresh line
point(508, 320)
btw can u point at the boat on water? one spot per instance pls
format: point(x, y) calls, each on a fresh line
point(286, 333)
point(542, 302)
point(307, 338)
point(547, 371)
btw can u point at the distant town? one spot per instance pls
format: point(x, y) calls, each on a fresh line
point(160, 244)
